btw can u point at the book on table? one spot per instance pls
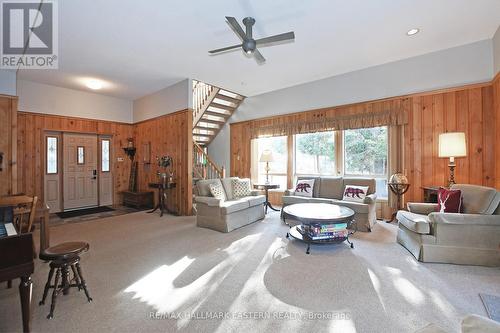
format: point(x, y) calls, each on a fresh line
point(317, 231)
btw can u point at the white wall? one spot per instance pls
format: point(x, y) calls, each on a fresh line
point(43, 98)
point(453, 67)
point(496, 51)
point(168, 100)
point(7, 82)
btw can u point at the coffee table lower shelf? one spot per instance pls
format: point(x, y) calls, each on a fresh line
point(295, 233)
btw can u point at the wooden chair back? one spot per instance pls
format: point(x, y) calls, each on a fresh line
point(24, 211)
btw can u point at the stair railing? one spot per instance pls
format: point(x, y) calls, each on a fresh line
point(203, 94)
point(203, 166)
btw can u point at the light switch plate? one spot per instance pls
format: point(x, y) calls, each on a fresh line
point(120, 159)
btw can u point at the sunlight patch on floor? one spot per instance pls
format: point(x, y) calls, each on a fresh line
point(158, 290)
point(376, 285)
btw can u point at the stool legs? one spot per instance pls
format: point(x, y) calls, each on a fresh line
point(75, 276)
point(82, 282)
point(47, 286)
point(54, 294)
point(62, 273)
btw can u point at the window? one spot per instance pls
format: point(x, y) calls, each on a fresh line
point(80, 155)
point(350, 153)
point(278, 168)
point(366, 154)
point(315, 153)
point(105, 155)
point(51, 155)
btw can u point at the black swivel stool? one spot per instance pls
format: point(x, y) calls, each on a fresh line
point(63, 257)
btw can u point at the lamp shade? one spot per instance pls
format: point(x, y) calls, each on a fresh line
point(266, 156)
point(452, 145)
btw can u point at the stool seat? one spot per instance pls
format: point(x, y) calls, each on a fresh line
point(64, 251)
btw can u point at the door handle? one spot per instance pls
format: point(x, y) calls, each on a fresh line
point(94, 174)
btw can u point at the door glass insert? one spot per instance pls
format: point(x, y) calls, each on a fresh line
point(80, 157)
point(51, 155)
point(105, 155)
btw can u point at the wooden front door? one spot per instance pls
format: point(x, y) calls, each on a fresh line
point(80, 170)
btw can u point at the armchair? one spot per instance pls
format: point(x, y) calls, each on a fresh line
point(469, 238)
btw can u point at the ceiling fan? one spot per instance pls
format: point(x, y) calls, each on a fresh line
point(249, 44)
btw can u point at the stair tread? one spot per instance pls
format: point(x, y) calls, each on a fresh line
point(212, 121)
point(204, 135)
point(228, 98)
point(216, 114)
point(222, 106)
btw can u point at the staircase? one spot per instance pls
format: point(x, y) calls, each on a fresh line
point(212, 107)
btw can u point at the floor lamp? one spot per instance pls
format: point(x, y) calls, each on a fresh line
point(452, 145)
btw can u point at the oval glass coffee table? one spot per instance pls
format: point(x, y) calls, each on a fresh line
point(320, 223)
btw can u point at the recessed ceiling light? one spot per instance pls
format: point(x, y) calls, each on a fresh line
point(94, 84)
point(413, 31)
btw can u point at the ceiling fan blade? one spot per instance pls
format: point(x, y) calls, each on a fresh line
point(258, 57)
point(236, 27)
point(225, 49)
point(276, 38)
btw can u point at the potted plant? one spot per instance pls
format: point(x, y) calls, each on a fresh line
point(165, 162)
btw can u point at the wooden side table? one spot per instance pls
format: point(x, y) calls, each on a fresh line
point(266, 188)
point(162, 196)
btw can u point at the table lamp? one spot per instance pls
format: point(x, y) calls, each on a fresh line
point(452, 145)
point(267, 156)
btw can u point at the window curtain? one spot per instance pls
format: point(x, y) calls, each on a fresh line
point(396, 158)
point(364, 115)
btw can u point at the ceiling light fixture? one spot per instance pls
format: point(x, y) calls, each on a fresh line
point(94, 84)
point(413, 31)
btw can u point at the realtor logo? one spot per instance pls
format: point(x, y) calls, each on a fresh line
point(29, 35)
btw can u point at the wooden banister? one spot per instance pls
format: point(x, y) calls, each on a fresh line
point(203, 166)
point(203, 94)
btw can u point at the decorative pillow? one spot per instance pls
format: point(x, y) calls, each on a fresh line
point(241, 188)
point(304, 188)
point(355, 193)
point(217, 191)
point(449, 201)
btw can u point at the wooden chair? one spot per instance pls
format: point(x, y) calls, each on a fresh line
point(23, 214)
point(24, 210)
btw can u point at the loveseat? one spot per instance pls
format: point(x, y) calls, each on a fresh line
point(331, 190)
point(229, 214)
point(469, 238)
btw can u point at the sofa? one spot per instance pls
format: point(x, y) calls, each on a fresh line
point(331, 190)
point(226, 215)
point(469, 238)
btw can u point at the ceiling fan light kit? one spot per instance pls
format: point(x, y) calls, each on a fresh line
point(248, 43)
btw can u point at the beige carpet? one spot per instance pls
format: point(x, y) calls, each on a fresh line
point(140, 263)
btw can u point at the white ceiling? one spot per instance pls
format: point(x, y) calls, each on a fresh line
point(140, 47)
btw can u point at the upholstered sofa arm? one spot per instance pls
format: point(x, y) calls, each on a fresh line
point(422, 208)
point(210, 201)
point(289, 191)
point(465, 219)
point(255, 193)
point(370, 199)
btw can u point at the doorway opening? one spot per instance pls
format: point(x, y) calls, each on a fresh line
point(78, 171)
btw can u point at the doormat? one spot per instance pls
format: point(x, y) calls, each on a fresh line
point(86, 211)
point(492, 305)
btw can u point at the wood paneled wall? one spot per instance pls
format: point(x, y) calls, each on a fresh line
point(169, 135)
point(473, 109)
point(8, 145)
point(30, 148)
point(467, 110)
